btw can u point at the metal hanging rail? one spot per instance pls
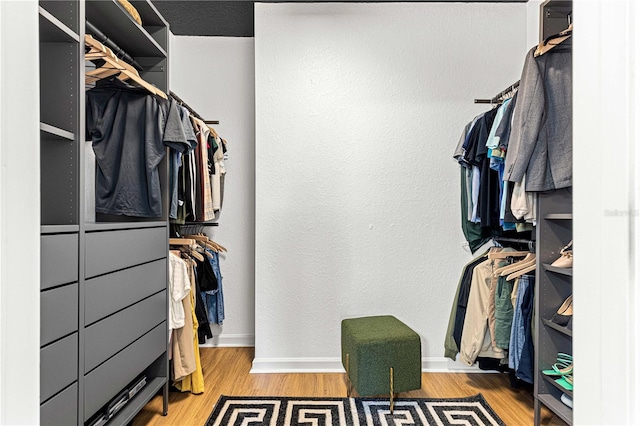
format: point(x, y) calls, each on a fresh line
point(102, 38)
point(497, 99)
point(191, 110)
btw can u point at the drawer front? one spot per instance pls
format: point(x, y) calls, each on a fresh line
point(58, 259)
point(58, 313)
point(104, 383)
point(58, 366)
point(62, 409)
point(113, 250)
point(109, 293)
point(109, 336)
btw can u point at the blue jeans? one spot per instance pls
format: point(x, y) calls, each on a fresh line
point(214, 299)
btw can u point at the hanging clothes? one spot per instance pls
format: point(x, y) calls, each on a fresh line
point(483, 322)
point(193, 382)
point(179, 288)
point(129, 129)
point(458, 311)
point(183, 354)
point(214, 299)
point(175, 179)
point(540, 143)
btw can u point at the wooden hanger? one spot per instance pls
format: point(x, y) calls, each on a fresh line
point(505, 254)
point(521, 272)
point(210, 243)
point(187, 245)
point(530, 257)
point(518, 266)
point(113, 66)
point(181, 241)
point(546, 44)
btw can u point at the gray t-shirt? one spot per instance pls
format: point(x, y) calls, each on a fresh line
point(129, 129)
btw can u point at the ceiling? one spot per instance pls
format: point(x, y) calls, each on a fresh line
point(233, 18)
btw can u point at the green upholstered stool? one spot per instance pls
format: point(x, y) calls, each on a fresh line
point(381, 355)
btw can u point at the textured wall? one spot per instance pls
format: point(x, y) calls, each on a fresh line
point(215, 76)
point(358, 110)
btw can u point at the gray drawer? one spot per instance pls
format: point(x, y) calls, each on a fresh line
point(107, 337)
point(62, 409)
point(112, 250)
point(58, 259)
point(109, 293)
point(58, 366)
point(106, 381)
point(58, 313)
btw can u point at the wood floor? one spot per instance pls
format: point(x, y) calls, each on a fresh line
point(226, 371)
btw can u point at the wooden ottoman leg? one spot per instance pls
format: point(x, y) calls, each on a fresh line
point(348, 378)
point(391, 389)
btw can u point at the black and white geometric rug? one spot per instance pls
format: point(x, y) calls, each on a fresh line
point(280, 411)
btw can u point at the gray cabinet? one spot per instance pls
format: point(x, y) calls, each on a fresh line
point(103, 278)
point(553, 286)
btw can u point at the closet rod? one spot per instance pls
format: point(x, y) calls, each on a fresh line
point(191, 110)
point(102, 38)
point(499, 97)
point(530, 243)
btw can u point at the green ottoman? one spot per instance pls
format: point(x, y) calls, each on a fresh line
point(381, 355)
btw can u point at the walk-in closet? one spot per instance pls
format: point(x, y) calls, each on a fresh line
point(195, 195)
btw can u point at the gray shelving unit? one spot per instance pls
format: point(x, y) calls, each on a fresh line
point(553, 286)
point(103, 282)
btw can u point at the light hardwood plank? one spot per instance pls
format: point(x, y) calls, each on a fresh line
point(226, 372)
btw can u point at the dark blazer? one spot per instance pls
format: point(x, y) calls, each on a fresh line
point(540, 142)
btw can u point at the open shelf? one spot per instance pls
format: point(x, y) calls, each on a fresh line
point(111, 18)
point(552, 381)
point(60, 134)
point(53, 30)
point(559, 216)
point(558, 328)
point(555, 269)
point(555, 405)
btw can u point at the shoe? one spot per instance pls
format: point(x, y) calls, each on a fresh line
point(566, 257)
point(564, 313)
point(562, 367)
point(566, 382)
point(566, 400)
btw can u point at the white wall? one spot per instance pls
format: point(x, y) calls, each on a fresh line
point(215, 76)
point(358, 110)
point(19, 214)
point(606, 212)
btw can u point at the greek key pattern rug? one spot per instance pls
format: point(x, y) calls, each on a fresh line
point(280, 411)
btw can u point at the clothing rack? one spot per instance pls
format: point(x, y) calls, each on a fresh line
point(529, 243)
point(191, 110)
point(119, 52)
point(497, 99)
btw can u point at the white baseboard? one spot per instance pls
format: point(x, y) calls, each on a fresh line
point(334, 365)
point(230, 341)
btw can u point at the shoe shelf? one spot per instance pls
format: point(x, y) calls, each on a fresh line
point(559, 216)
point(553, 286)
point(558, 270)
point(560, 329)
point(552, 380)
point(555, 405)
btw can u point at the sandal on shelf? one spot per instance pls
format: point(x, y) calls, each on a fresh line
point(564, 313)
point(562, 367)
point(566, 257)
point(566, 382)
